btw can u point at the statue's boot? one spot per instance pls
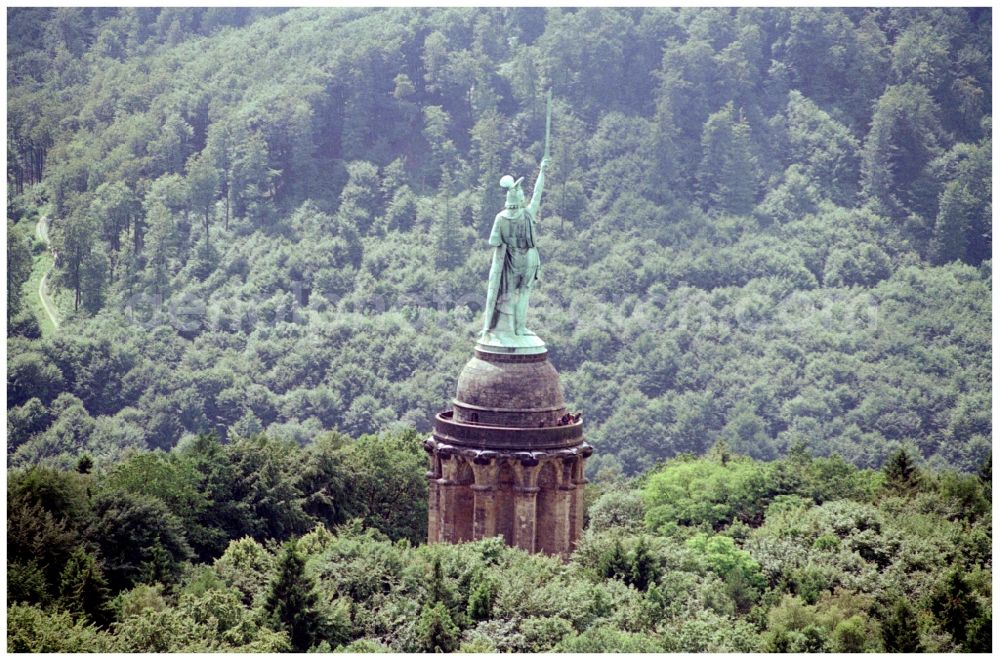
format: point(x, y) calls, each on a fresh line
point(521, 315)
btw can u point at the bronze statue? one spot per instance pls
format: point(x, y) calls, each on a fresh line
point(515, 266)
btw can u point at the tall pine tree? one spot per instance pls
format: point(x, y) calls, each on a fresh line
point(727, 175)
point(83, 589)
point(292, 601)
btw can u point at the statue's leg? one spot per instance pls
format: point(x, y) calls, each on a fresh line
point(490, 312)
point(524, 292)
point(521, 311)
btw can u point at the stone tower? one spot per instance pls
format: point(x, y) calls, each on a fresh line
point(505, 460)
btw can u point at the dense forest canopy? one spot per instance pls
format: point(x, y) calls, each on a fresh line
point(260, 545)
point(764, 226)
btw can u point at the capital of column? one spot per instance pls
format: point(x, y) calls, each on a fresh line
point(526, 474)
point(485, 473)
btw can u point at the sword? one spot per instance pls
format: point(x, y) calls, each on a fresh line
point(548, 122)
point(548, 130)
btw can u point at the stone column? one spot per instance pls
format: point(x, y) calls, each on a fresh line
point(447, 490)
point(525, 501)
point(484, 513)
point(433, 532)
point(524, 517)
point(565, 528)
point(579, 482)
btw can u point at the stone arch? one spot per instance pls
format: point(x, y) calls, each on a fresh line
point(464, 473)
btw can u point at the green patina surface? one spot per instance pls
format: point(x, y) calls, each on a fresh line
point(515, 265)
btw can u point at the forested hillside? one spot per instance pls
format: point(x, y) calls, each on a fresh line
point(769, 227)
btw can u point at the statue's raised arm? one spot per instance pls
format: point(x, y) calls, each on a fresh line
point(536, 194)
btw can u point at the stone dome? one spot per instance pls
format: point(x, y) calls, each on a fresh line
point(509, 391)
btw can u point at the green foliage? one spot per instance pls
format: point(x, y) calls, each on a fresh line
point(364, 646)
point(603, 639)
point(435, 630)
point(954, 605)
point(26, 583)
point(849, 635)
point(901, 472)
point(264, 473)
point(900, 632)
point(689, 492)
point(139, 539)
point(18, 269)
point(724, 558)
point(542, 634)
point(214, 621)
point(387, 488)
point(246, 565)
point(617, 509)
point(905, 136)
point(171, 479)
point(614, 563)
point(826, 148)
point(481, 597)
point(83, 590)
point(707, 631)
point(32, 630)
point(728, 168)
point(795, 627)
point(807, 577)
point(46, 512)
point(292, 602)
point(642, 570)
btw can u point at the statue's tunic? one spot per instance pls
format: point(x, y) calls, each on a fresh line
point(515, 229)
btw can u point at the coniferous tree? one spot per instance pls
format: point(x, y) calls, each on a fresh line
point(954, 605)
point(435, 630)
point(979, 635)
point(614, 563)
point(481, 597)
point(203, 183)
point(899, 629)
point(292, 602)
point(83, 589)
point(435, 585)
point(18, 269)
point(901, 471)
point(905, 136)
point(642, 571)
point(727, 172)
point(985, 475)
point(84, 464)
